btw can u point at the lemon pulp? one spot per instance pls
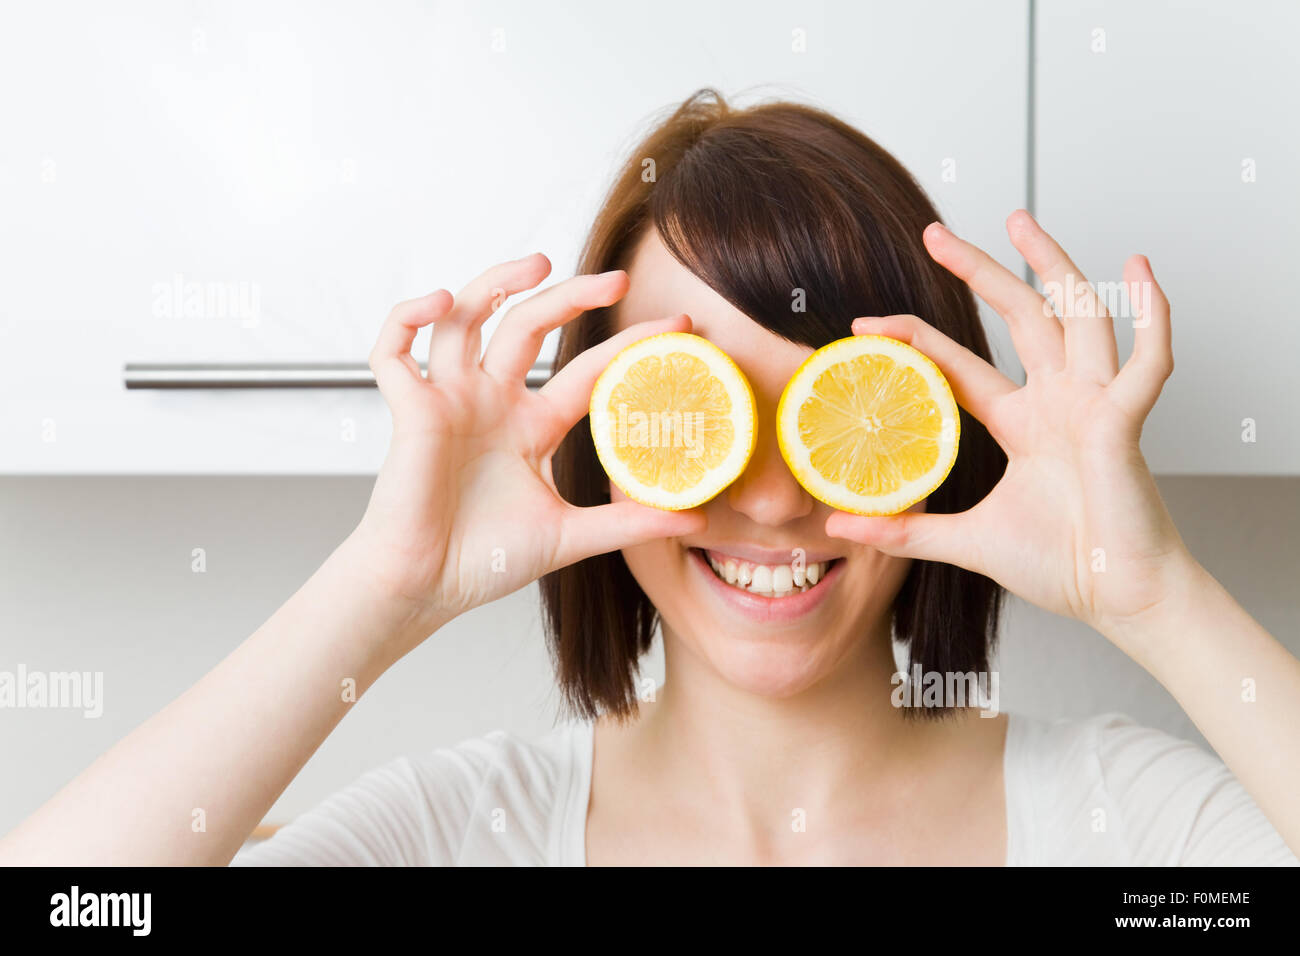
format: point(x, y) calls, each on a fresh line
point(869, 425)
point(672, 419)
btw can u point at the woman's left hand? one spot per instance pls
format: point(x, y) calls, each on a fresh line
point(1076, 524)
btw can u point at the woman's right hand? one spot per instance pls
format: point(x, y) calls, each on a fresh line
point(464, 510)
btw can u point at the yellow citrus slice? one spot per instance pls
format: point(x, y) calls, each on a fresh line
point(673, 420)
point(868, 425)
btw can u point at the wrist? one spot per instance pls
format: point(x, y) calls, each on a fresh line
point(397, 619)
point(1149, 633)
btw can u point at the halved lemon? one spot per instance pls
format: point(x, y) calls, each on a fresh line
point(868, 425)
point(673, 420)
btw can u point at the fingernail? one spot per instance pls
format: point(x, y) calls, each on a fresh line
point(611, 272)
point(1024, 217)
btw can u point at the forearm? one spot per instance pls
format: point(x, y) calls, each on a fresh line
point(1238, 684)
point(190, 784)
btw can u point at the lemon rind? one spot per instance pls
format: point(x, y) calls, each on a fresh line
point(798, 458)
point(716, 479)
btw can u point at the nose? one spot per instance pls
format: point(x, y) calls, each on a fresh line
point(766, 492)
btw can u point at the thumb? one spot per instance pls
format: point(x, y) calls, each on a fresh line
point(622, 524)
point(917, 535)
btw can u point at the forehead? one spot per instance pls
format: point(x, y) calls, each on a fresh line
point(660, 287)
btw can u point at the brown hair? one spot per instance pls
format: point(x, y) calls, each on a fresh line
point(756, 203)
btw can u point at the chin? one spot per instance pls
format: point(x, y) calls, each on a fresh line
point(778, 671)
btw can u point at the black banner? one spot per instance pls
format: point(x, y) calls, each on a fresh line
point(242, 905)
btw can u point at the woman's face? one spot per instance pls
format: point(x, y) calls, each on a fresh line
point(769, 637)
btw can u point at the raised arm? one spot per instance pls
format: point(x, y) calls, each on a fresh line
point(1076, 524)
point(464, 511)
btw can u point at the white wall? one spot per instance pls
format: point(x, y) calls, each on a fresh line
point(95, 575)
point(1157, 130)
point(317, 162)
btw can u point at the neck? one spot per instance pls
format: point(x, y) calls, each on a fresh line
point(758, 752)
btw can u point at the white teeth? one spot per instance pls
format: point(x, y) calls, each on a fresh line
point(767, 579)
point(782, 579)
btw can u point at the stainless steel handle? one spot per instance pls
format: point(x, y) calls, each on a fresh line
point(271, 375)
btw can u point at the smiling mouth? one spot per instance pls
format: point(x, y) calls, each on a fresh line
point(766, 580)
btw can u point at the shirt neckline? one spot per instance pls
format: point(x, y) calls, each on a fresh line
point(1012, 792)
point(584, 744)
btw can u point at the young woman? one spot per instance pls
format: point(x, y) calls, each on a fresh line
point(775, 738)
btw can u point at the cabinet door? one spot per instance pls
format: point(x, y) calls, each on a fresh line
point(1169, 129)
point(259, 182)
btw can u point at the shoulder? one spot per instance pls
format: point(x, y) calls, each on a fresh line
point(499, 762)
point(498, 799)
point(1107, 790)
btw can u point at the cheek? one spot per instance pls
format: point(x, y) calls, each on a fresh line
point(873, 581)
point(656, 564)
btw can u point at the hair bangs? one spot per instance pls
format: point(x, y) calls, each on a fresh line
point(759, 219)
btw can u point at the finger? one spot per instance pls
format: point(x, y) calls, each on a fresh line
point(517, 340)
point(1138, 384)
point(976, 384)
point(396, 370)
point(569, 391)
point(1089, 331)
point(1035, 331)
point(912, 534)
point(456, 344)
point(622, 524)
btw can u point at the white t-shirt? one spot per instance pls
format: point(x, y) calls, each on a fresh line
point(1102, 791)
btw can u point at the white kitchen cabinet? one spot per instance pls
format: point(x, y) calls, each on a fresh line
point(259, 182)
point(1170, 129)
